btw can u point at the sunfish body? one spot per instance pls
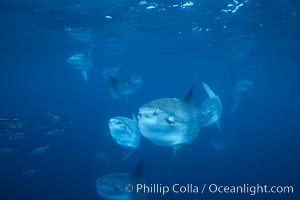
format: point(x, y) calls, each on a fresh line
point(242, 90)
point(126, 133)
point(122, 85)
point(210, 109)
point(113, 186)
point(81, 62)
point(170, 122)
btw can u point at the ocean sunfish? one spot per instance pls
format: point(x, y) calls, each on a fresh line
point(113, 186)
point(81, 62)
point(121, 85)
point(242, 89)
point(211, 109)
point(126, 133)
point(170, 122)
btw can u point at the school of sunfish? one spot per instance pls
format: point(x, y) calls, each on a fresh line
point(170, 122)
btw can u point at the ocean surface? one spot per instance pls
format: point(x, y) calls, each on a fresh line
point(166, 42)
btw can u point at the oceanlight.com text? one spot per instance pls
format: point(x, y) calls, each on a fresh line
point(177, 188)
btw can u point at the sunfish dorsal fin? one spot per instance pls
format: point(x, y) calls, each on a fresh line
point(84, 75)
point(139, 169)
point(210, 93)
point(189, 95)
point(175, 149)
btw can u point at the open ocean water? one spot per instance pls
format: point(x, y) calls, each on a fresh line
point(54, 108)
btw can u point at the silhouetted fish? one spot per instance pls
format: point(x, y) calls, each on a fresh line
point(122, 85)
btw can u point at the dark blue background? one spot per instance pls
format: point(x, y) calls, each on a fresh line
point(261, 43)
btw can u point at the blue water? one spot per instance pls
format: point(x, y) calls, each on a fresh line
point(255, 40)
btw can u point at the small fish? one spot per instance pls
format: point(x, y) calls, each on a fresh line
point(55, 132)
point(12, 123)
point(57, 117)
point(113, 186)
point(242, 90)
point(122, 85)
point(5, 120)
point(16, 124)
point(31, 173)
point(17, 136)
point(9, 151)
point(46, 125)
point(6, 131)
point(81, 62)
point(40, 150)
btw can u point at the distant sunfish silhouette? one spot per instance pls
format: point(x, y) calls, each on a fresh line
point(170, 122)
point(81, 62)
point(210, 109)
point(113, 186)
point(122, 85)
point(126, 133)
point(242, 89)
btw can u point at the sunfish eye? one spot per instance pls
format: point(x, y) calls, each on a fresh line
point(170, 120)
point(118, 122)
point(104, 182)
point(129, 83)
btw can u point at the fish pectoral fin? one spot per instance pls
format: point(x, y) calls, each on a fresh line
point(210, 93)
point(84, 75)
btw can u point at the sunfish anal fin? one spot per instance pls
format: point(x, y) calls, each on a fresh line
point(175, 149)
point(219, 127)
point(84, 75)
